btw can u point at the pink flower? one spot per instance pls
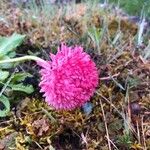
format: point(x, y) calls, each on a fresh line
point(70, 79)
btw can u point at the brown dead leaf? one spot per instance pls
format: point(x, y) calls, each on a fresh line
point(21, 106)
point(41, 126)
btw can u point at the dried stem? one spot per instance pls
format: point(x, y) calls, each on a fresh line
point(106, 128)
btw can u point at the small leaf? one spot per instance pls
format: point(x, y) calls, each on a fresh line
point(20, 87)
point(4, 100)
point(133, 81)
point(18, 77)
point(116, 125)
point(95, 34)
point(8, 44)
point(3, 75)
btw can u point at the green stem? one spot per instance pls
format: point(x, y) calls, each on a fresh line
point(24, 58)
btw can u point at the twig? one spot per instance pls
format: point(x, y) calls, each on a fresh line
point(106, 128)
point(38, 145)
point(113, 144)
point(109, 78)
point(143, 134)
point(110, 104)
point(131, 128)
point(138, 132)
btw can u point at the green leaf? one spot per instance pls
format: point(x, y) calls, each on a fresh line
point(6, 65)
point(133, 81)
point(8, 44)
point(22, 88)
point(12, 54)
point(3, 75)
point(116, 125)
point(18, 77)
point(95, 34)
point(125, 140)
point(4, 100)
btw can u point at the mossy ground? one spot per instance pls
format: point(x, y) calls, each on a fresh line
point(119, 118)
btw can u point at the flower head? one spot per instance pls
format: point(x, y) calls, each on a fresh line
point(69, 79)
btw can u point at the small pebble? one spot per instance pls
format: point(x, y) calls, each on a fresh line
point(135, 108)
point(87, 108)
